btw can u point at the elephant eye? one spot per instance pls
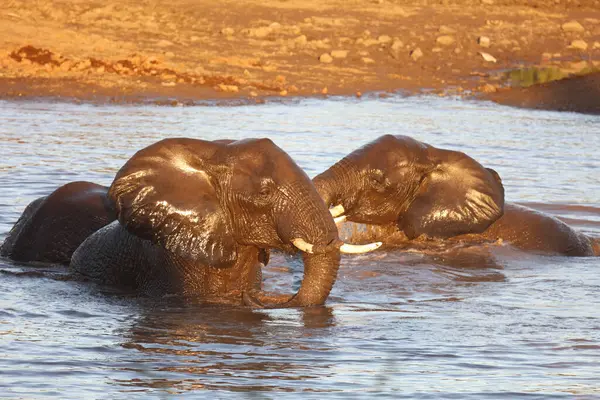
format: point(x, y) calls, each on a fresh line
point(378, 181)
point(266, 188)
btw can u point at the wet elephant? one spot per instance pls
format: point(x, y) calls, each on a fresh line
point(53, 226)
point(437, 193)
point(198, 218)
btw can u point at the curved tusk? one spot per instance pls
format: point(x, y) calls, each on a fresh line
point(359, 249)
point(339, 220)
point(337, 210)
point(302, 245)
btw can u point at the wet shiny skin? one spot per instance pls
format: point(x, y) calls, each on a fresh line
point(476, 322)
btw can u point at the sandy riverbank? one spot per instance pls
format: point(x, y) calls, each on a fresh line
point(192, 50)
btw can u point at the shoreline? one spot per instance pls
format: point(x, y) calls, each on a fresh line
point(191, 51)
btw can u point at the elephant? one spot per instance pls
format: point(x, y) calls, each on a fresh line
point(197, 219)
point(427, 192)
point(53, 226)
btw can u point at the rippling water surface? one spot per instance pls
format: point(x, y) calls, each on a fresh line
point(398, 324)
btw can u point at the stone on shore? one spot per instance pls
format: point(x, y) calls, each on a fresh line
point(484, 41)
point(578, 45)
point(572, 26)
point(339, 53)
point(416, 54)
point(445, 40)
point(326, 58)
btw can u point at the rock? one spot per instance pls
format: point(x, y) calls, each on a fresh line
point(484, 41)
point(384, 39)
point(301, 40)
point(228, 88)
point(572, 26)
point(488, 57)
point(578, 45)
point(396, 48)
point(445, 40)
point(339, 53)
point(368, 60)
point(416, 54)
point(169, 54)
point(164, 43)
point(457, 50)
point(325, 58)
point(275, 26)
point(368, 42)
point(596, 45)
point(363, 53)
point(227, 31)
point(487, 2)
point(487, 88)
point(195, 38)
point(446, 30)
point(259, 33)
point(436, 50)
point(283, 93)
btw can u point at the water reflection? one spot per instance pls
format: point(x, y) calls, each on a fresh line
point(216, 347)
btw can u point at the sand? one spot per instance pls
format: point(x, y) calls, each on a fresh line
point(194, 51)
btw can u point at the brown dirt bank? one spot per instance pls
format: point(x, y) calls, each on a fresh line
point(191, 50)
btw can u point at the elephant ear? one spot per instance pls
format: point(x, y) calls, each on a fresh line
point(165, 194)
point(457, 196)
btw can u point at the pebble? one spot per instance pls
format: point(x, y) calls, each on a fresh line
point(339, 53)
point(416, 54)
point(168, 84)
point(445, 40)
point(301, 40)
point(572, 26)
point(368, 60)
point(484, 41)
point(325, 58)
point(259, 33)
point(446, 30)
point(578, 45)
point(488, 57)
point(164, 43)
point(227, 31)
point(228, 88)
point(383, 39)
point(396, 48)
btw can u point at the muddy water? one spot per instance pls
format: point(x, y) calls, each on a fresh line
point(493, 323)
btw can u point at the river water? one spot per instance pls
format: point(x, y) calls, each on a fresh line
point(398, 324)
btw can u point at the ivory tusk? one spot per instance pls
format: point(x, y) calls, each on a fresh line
point(337, 210)
point(339, 220)
point(359, 249)
point(302, 245)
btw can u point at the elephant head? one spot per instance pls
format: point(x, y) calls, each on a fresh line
point(423, 189)
point(211, 204)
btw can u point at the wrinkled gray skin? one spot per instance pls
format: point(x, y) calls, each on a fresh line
point(52, 227)
point(198, 218)
point(440, 193)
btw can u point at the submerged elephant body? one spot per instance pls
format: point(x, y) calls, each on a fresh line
point(429, 192)
point(193, 218)
point(198, 218)
point(531, 230)
point(52, 227)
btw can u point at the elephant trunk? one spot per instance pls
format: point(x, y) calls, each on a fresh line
point(320, 272)
point(333, 184)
